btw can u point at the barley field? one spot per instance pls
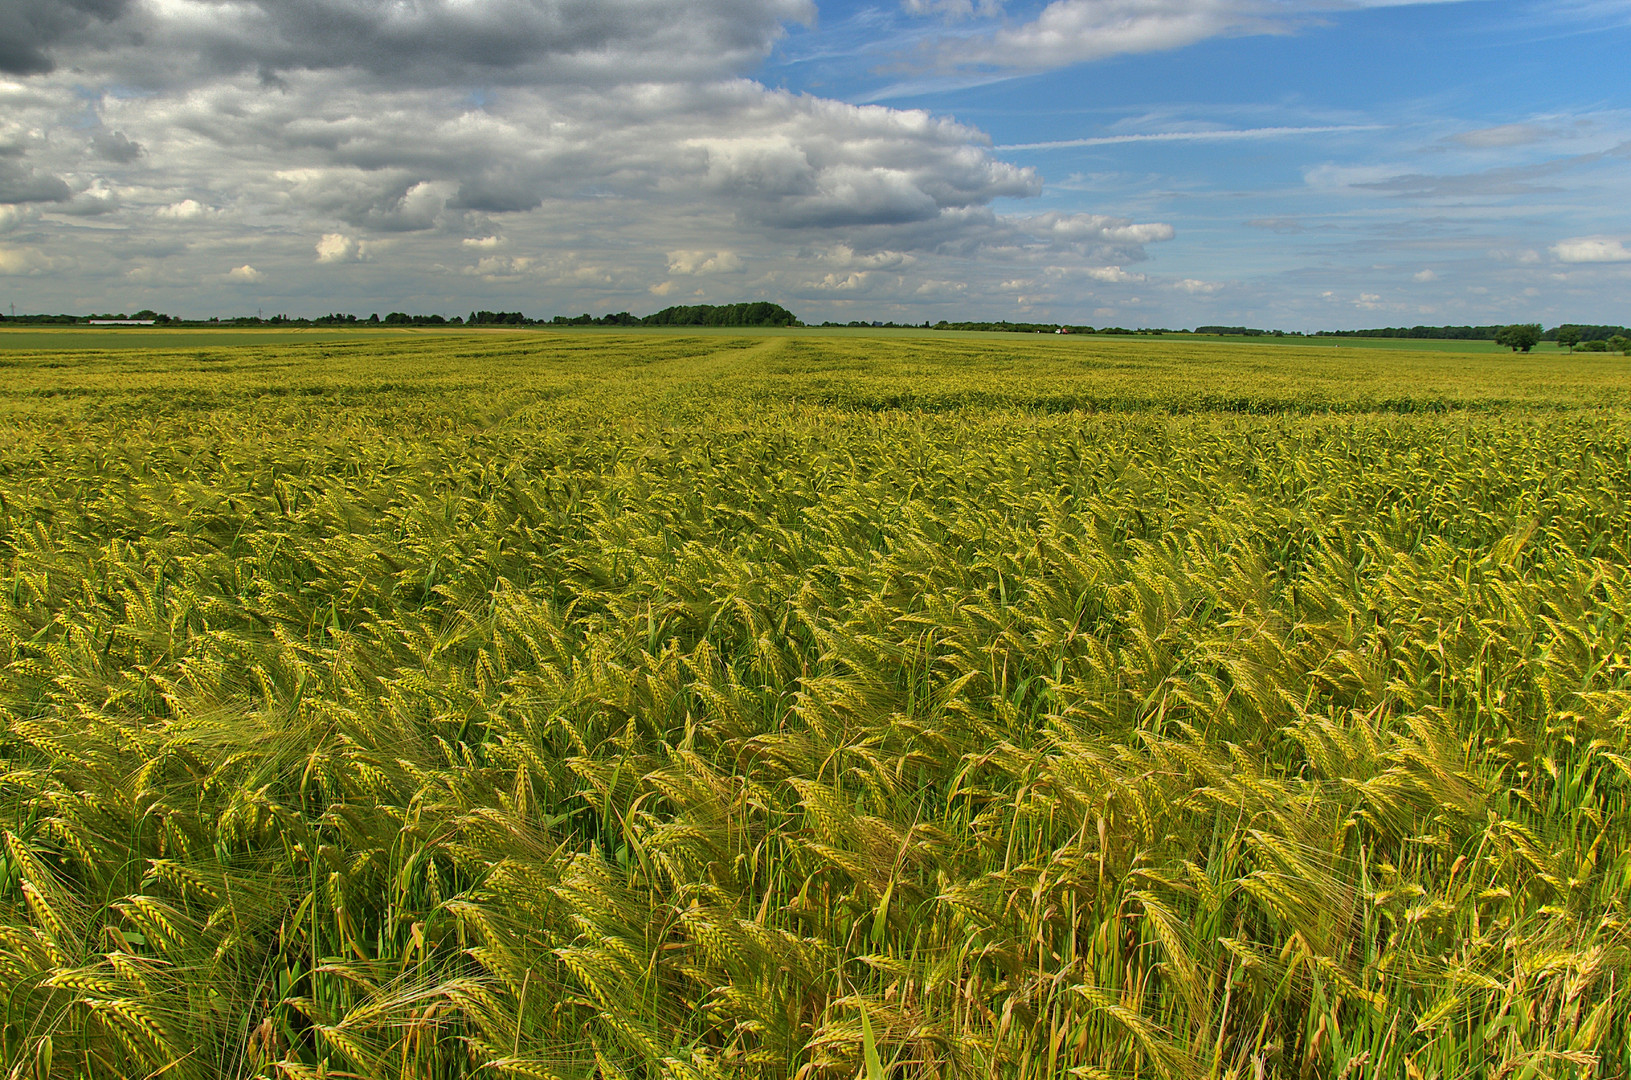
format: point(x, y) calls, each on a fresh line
point(812, 706)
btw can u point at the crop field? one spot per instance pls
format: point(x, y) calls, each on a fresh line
point(81, 338)
point(789, 705)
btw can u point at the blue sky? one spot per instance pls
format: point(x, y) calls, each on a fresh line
point(1316, 174)
point(1138, 162)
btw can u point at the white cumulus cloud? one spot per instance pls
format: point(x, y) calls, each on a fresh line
point(338, 248)
point(1087, 228)
point(12, 217)
point(1071, 31)
point(841, 282)
point(184, 210)
point(502, 267)
point(245, 274)
point(1591, 249)
point(21, 262)
point(846, 256)
point(703, 262)
point(1197, 287)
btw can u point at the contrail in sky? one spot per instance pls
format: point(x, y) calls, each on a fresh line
point(1191, 136)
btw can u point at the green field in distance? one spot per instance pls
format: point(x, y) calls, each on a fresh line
point(148, 337)
point(811, 704)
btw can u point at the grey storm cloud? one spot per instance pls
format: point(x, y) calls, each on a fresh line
point(430, 42)
point(29, 29)
point(597, 137)
point(115, 146)
point(773, 160)
point(21, 184)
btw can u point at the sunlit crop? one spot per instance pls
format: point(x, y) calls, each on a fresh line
point(782, 705)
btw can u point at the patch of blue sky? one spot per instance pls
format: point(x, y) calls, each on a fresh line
point(1428, 160)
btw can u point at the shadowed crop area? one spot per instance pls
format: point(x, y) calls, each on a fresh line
point(809, 706)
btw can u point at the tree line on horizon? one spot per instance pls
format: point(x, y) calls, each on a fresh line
point(755, 313)
point(1559, 333)
point(1520, 337)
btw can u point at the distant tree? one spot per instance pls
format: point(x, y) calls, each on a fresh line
point(1620, 344)
point(1230, 331)
point(498, 318)
point(1519, 337)
point(1437, 333)
point(1568, 337)
point(758, 313)
point(1588, 333)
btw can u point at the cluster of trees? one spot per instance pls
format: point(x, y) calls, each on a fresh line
point(758, 313)
point(864, 325)
point(1521, 337)
point(41, 320)
point(159, 318)
point(1432, 333)
point(1618, 343)
point(617, 318)
point(1600, 339)
point(395, 318)
point(1013, 327)
point(402, 318)
point(1572, 335)
point(1043, 328)
point(1242, 331)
